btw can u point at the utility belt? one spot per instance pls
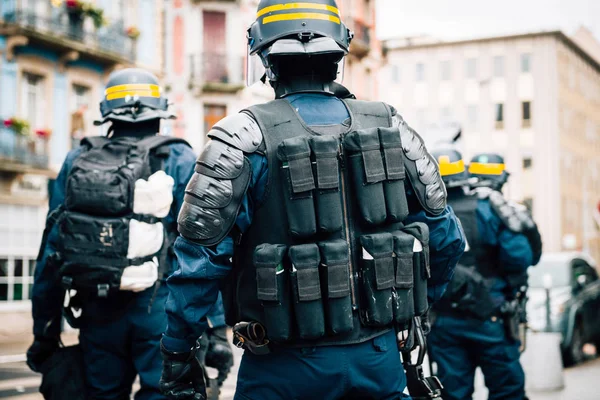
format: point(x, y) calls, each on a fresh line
point(305, 291)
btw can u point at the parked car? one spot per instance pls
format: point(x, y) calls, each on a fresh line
point(574, 309)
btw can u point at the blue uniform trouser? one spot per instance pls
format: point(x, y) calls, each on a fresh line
point(115, 352)
point(459, 346)
point(370, 370)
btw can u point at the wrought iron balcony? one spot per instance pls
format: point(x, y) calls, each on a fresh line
point(361, 43)
point(68, 33)
point(23, 154)
point(213, 72)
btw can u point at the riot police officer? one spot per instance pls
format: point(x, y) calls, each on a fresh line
point(111, 224)
point(474, 324)
point(323, 218)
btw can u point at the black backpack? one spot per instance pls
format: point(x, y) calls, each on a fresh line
point(98, 208)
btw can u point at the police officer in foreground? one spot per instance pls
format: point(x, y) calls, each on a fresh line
point(323, 220)
point(476, 323)
point(108, 243)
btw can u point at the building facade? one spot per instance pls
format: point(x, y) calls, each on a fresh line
point(206, 57)
point(54, 60)
point(533, 98)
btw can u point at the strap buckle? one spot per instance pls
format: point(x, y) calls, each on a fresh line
point(251, 336)
point(103, 289)
point(67, 282)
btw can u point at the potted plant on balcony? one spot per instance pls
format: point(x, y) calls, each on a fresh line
point(77, 10)
point(133, 32)
point(18, 126)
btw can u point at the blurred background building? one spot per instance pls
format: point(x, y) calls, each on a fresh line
point(534, 98)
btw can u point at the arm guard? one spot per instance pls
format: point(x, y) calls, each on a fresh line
point(220, 181)
point(518, 219)
point(421, 168)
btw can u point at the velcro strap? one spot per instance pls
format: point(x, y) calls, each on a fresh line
point(309, 288)
point(146, 218)
point(301, 174)
point(384, 272)
point(95, 260)
point(404, 270)
point(338, 281)
point(266, 282)
point(392, 153)
point(327, 172)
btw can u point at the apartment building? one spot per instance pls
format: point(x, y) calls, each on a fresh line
point(206, 60)
point(54, 60)
point(534, 98)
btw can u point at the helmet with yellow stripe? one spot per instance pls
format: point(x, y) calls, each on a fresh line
point(452, 166)
point(284, 31)
point(489, 169)
point(133, 95)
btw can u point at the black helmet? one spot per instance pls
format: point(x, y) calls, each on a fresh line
point(133, 95)
point(489, 169)
point(304, 29)
point(452, 166)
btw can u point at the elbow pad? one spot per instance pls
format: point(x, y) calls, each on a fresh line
point(221, 178)
point(421, 168)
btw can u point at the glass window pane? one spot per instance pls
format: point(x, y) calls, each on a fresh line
point(420, 72)
point(18, 291)
point(3, 291)
point(525, 62)
point(498, 66)
point(499, 113)
point(18, 267)
point(445, 71)
point(526, 110)
point(471, 68)
point(3, 266)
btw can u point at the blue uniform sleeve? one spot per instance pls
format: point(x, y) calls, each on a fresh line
point(514, 251)
point(180, 166)
point(446, 246)
point(194, 286)
point(47, 293)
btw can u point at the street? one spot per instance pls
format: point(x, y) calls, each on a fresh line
point(18, 383)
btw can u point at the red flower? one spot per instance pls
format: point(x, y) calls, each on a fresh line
point(72, 3)
point(8, 123)
point(43, 133)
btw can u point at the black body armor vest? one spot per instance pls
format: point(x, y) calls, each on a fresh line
point(327, 259)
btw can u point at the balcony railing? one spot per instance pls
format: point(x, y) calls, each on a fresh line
point(20, 153)
point(361, 44)
point(213, 72)
point(54, 27)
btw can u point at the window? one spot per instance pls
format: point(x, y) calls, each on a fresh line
point(32, 97)
point(420, 72)
point(498, 66)
point(445, 70)
point(471, 68)
point(16, 278)
point(527, 162)
point(213, 114)
point(526, 108)
point(472, 115)
point(525, 63)
point(395, 74)
point(499, 116)
point(80, 104)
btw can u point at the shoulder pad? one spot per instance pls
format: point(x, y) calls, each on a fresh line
point(422, 170)
point(210, 205)
point(220, 160)
point(523, 215)
point(240, 131)
point(505, 211)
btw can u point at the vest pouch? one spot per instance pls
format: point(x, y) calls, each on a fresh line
point(421, 270)
point(377, 279)
point(404, 305)
point(328, 198)
point(87, 278)
point(367, 174)
point(335, 283)
point(273, 291)
point(100, 184)
point(294, 155)
point(94, 240)
point(393, 188)
point(306, 288)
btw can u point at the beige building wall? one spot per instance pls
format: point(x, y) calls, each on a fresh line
point(430, 84)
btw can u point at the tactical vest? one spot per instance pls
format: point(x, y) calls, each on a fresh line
point(327, 259)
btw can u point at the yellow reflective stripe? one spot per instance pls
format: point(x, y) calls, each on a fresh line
point(291, 6)
point(486, 169)
point(140, 93)
point(131, 86)
point(451, 168)
point(293, 16)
